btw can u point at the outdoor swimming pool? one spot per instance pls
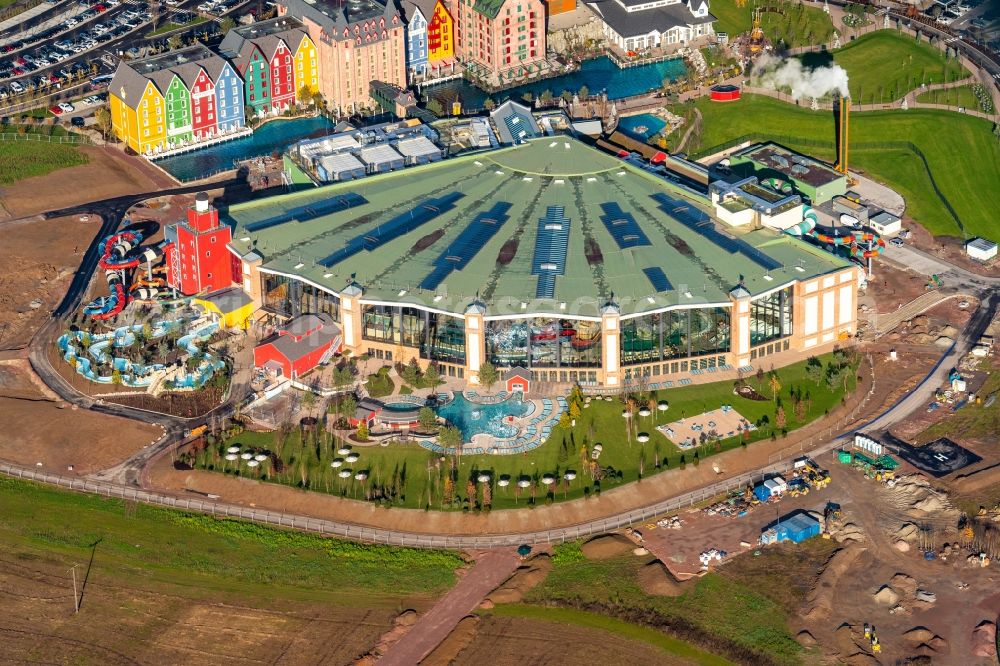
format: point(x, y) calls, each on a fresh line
point(598, 74)
point(642, 126)
point(473, 419)
point(275, 135)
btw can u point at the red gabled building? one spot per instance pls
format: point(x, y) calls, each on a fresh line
point(197, 258)
point(299, 346)
point(282, 71)
point(204, 117)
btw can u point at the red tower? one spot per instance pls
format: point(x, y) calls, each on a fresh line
point(197, 258)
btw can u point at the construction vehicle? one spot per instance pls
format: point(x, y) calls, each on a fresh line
point(868, 631)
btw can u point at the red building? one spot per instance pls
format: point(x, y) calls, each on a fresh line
point(282, 76)
point(517, 379)
point(299, 346)
point(196, 255)
point(203, 113)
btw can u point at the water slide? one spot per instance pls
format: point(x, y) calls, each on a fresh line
point(120, 252)
point(861, 244)
point(90, 352)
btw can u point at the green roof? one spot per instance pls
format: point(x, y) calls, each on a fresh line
point(488, 8)
point(522, 182)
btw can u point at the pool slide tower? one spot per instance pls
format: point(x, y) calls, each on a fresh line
point(862, 245)
point(120, 253)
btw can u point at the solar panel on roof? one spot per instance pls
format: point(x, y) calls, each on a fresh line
point(310, 212)
point(700, 223)
point(468, 243)
point(657, 278)
point(551, 243)
point(622, 226)
point(397, 226)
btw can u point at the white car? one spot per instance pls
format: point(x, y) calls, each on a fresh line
point(67, 107)
point(16, 86)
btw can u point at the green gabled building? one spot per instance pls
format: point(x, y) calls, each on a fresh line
point(177, 103)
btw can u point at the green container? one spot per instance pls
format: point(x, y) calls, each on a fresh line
point(887, 462)
point(844, 457)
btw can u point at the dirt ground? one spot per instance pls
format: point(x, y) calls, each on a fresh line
point(141, 622)
point(891, 287)
point(38, 429)
point(509, 641)
point(39, 259)
point(949, 248)
point(110, 173)
point(957, 611)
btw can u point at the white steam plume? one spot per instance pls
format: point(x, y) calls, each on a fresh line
point(779, 74)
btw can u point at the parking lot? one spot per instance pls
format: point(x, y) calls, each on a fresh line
point(76, 40)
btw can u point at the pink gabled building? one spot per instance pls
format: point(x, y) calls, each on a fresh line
point(506, 37)
point(357, 42)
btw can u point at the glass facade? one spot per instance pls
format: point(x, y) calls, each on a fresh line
point(445, 339)
point(675, 334)
point(771, 317)
point(544, 342)
point(291, 298)
point(397, 325)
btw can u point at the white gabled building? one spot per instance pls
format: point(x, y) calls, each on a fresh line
point(635, 25)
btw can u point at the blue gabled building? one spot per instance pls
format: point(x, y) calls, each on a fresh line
point(228, 94)
point(417, 15)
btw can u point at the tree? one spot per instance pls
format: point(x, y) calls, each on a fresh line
point(435, 107)
point(363, 431)
point(489, 104)
point(347, 406)
point(814, 369)
point(427, 418)
point(760, 379)
point(584, 92)
point(411, 375)
point(450, 437)
point(116, 377)
point(546, 96)
point(102, 116)
point(775, 385)
point(175, 41)
point(488, 375)
point(308, 401)
point(227, 24)
point(432, 378)
point(779, 418)
point(305, 95)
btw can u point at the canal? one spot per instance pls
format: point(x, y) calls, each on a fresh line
point(598, 75)
point(272, 136)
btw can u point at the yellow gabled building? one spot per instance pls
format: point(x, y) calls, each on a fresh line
point(137, 111)
point(440, 34)
point(306, 65)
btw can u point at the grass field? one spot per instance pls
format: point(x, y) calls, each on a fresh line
point(884, 65)
point(170, 26)
point(791, 23)
point(971, 421)
point(603, 623)
point(203, 551)
point(957, 96)
point(963, 154)
point(719, 611)
point(24, 159)
point(411, 476)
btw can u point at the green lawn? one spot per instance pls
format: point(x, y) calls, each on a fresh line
point(789, 22)
point(201, 551)
point(594, 621)
point(719, 612)
point(884, 65)
point(170, 25)
point(24, 159)
point(957, 96)
point(411, 476)
point(964, 160)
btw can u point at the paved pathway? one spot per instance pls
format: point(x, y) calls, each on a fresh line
point(491, 569)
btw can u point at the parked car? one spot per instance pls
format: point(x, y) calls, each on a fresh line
point(67, 107)
point(56, 111)
point(895, 242)
point(77, 121)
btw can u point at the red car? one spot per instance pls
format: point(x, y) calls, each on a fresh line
point(99, 8)
point(56, 111)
